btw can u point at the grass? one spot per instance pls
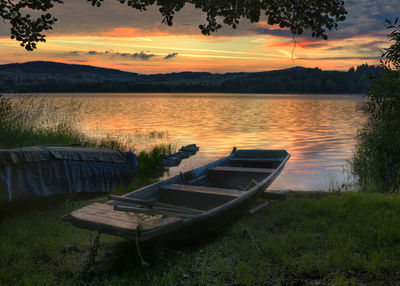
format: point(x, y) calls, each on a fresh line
point(335, 239)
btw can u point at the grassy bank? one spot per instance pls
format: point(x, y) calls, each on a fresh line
point(337, 239)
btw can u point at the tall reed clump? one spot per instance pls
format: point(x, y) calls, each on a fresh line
point(376, 161)
point(28, 121)
point(38, 122)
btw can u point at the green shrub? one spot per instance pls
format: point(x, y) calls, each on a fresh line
point(376, 161)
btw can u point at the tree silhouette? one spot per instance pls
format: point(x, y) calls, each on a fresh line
point(391, 56)
point(296, 15)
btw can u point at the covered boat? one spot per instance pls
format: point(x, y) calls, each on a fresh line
point(189, 205)
point(53, 170)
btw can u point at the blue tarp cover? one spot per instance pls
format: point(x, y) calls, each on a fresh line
point(53, 170)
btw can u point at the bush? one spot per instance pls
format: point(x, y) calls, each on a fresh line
point(376, 161)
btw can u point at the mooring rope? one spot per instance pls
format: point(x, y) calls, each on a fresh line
point(139, 228)
point(91, 257)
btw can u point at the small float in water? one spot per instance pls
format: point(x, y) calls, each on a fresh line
point(189, 205)
point(170, 160)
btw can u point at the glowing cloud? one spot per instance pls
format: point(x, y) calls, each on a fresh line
point(170, 56)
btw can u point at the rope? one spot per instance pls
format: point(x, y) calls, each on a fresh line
point(145, 265)
point(91, 257)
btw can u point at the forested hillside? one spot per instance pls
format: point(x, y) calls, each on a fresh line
point(59, 77)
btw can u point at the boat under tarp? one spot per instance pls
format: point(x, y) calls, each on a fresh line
point(54, 170)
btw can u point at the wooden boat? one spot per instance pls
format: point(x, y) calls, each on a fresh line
point(189, 205)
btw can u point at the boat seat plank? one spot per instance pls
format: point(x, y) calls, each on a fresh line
point(197, 197)
point(103, 214)
point(241, 169)
point(202, 189)
point(249, 159)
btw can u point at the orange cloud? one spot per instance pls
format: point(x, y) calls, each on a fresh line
point(126, 32)
point(271, 27)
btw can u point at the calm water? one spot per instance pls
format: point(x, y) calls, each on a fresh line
point(317, 130)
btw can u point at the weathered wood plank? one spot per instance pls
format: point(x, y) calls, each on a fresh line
point(202, 189)
point(241, 169)
point(254, 162)
point(103, 214)
point(156, 204)
point(152, 211)
point(131, 200)
point(197, 197)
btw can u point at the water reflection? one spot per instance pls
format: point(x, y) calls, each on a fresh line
point(317, 130)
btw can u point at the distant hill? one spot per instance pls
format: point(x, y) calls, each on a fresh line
point(43, 67)
point(32, 73)
point(42, 76)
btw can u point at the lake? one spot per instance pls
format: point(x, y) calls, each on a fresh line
point(317, 130)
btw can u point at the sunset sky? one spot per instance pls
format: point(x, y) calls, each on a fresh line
point(116, 36)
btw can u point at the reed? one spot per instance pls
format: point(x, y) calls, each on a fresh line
point(38, 122)
point(30, 121)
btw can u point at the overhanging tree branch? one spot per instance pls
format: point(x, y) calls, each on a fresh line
point(296, 15)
